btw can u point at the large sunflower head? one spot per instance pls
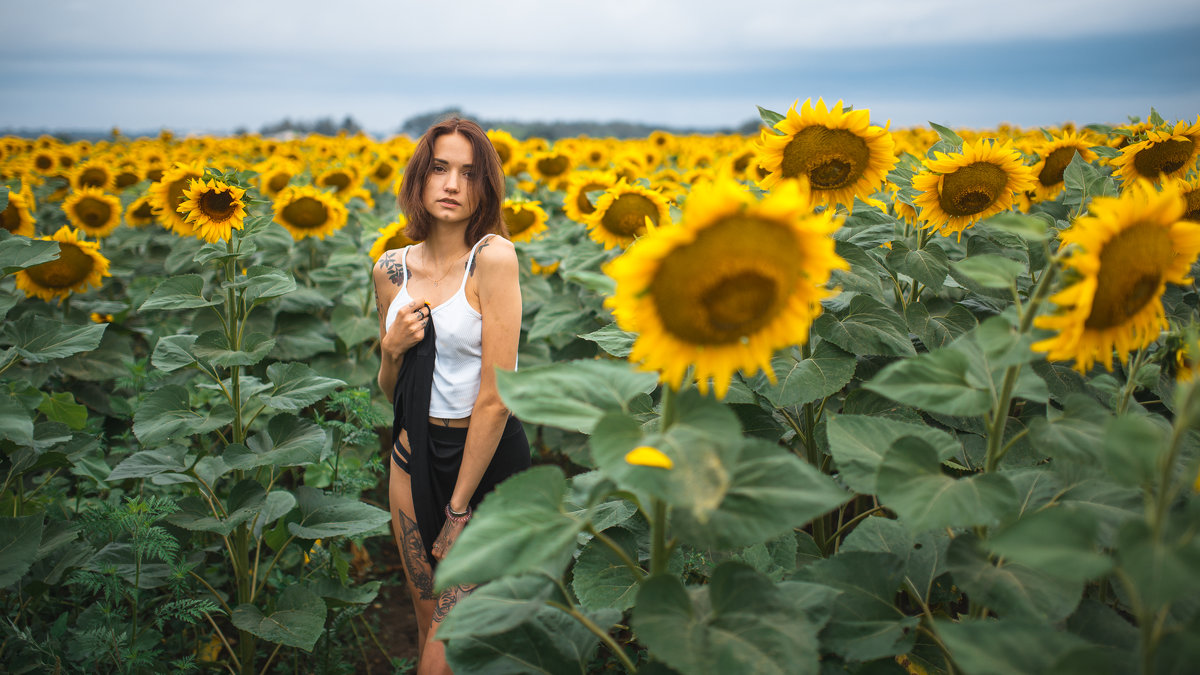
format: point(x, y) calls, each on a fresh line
point(94, 211)
point(213, 208)
point(305, 211)
point(735, 281)
point(525, 220)
point(959, 189)
point(391, 237)
point(168, 193)
point(622, 212)
point(506, 146)
point(552, 168)
point(139, 212)
point(93, 174)
point(839, 154)
point(576, 204)
point(79, 265)
point(1056, 155)
point(1165, 154)
point(1126, 250)
point(17, 217)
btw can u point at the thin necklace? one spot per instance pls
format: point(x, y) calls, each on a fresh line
point(449, 269)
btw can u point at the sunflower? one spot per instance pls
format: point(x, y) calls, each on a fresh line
point(391, 237)
point(576, 204)
point(213, 208)
point(505, 145)
point(622, 211)
point(140, 212)
point(93, 174)
point(274, 178)
point(959, 189)
point(343, 179)
point(94, 211)
point(167, 194)
point(735, 281)
point(1191, 195)
point(384, 171)
point(1164, 154)
point(307, 212)
point(840, 154)
point(525, 220)
point(1056, 155)
point(1128, 248)
point(79, 265)
point(17, 217)
point(127, 173)
point(551, 168)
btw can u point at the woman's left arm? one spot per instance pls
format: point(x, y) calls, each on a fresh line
point(497, 278)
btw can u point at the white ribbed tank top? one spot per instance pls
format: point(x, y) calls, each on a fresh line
point(459, 361)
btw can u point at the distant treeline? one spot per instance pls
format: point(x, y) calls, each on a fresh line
point(416, 125)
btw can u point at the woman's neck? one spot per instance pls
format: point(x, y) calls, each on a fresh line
point(444, 243)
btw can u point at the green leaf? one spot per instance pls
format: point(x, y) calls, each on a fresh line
point(866, 327)
point(173, 352)
point(246, 500)
point(213, 346)
point(937, 382)
point(167, 413)
point(799, 380)
point(600, 579)
point(594, 282)
point(572, 395)
point(1039, 227)
point(990, 270)
point(938, 328)
point(337, 595)
point(858, 443)
point(1008, 646)
point(287, 441)
point(18, 253)
point(865, 624)
point(520, 527)
point(1058, 541)
point(180, 292)
point(39, 339)
point(770, 118)
point(296, 386)
point(947, 134)
point(911, 483)
point(61, 407)
point(864, 273)
point(16, 424)
point(298, 619)
point(19, 541)
point(612, 340)
point(1161, 569)
point(928, 265)
point(322, 516)
point(550, 643)
point(150, 463)
point(263, 283)
point(498, 606)
point(1010, 589)
point(352, 327)
point(923, 556)
point(738, 623)
point(1133, 448)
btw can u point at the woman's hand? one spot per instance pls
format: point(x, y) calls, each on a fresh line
point(449, 534)
point(407, 329)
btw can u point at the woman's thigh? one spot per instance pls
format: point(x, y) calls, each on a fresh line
point(412, 550)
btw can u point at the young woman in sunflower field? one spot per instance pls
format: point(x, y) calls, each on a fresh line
point(449, 315)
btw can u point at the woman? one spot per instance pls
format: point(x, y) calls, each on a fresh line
point(449, 315)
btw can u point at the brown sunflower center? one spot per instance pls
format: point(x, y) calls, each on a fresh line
point(519, 220)
point(1131, 272)
point(626, 216)
point(503, 151)
point(582, 202)
point(831, 158)
point(1164, 157)
point(1056, 164)
point(10, 218)
point(175, 192)
point(734, 279)
point(93, 177)
point(278, 181)
point(71, 268)
point(154, 174)
point(306, 213)
point(43, 163)
point(219, 206)
point(338, 179)
point(1193, 205)
point(553, 166)
point(972, 189)
point(93, 212)
point(383, 171)
point(126, 178)
point(144, 210)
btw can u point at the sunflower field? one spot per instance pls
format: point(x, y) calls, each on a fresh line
point(835, 398)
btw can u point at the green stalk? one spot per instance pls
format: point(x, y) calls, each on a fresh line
point(659, 551)
point(1139, 360)
point(598, 632)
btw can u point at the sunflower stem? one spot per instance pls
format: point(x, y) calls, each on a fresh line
point(658, 521)
point(1139, 360)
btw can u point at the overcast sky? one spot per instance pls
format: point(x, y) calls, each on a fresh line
point(219, 64)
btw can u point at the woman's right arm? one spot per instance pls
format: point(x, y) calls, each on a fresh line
point(407, 329)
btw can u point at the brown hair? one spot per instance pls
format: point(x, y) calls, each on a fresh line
point(487, 183)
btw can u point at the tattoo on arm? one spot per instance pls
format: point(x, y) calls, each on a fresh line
point(395, 271)
point(416, 564)
point(448, 599)
point(475, 258)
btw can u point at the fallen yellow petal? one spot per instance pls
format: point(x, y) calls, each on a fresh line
point(647, 456)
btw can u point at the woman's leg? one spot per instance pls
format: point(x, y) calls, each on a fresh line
point(433, 654)
point(417, 571)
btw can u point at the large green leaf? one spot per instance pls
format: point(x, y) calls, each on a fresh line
point(1008, 646)
point(167, 413)
point(213, 346)
point(989, 270)
point(937, 381)
point(1058, 541)
point(858, 442)
point(928, 265)
point(322, 516)
point(924, 555)
point(799, 380)
point(352, 327)
point(173, 352)
point(1007, 588)
point(572, 395)
point(18, 253)
point(600, 578)
point(167, 459)
point(550, 643)
point(297, 386)
point(938, 324)
point(519, 527)
point(16, 423)
point(298, 619)
point(1161, 569)
point(19, 541)
point(263, 283)
point(245, 501)
point(39, 339)
point(498, 606)
point(612, 340)
point(181, 292)
point(866, 327)
point(911, 483)
point(739, 623)
point(287, 441)
point(864, 273)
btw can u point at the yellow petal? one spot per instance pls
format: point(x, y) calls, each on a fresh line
point(648, 456)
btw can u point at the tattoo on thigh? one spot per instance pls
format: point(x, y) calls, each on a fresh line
point(448, 599)
point(415, 562)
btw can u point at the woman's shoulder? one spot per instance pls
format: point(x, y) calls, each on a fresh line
point(495, 252)
point(390, 267)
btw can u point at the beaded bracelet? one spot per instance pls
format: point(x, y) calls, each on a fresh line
point(458, 517)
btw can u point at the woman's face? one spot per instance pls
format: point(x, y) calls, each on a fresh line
point(449, 195)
